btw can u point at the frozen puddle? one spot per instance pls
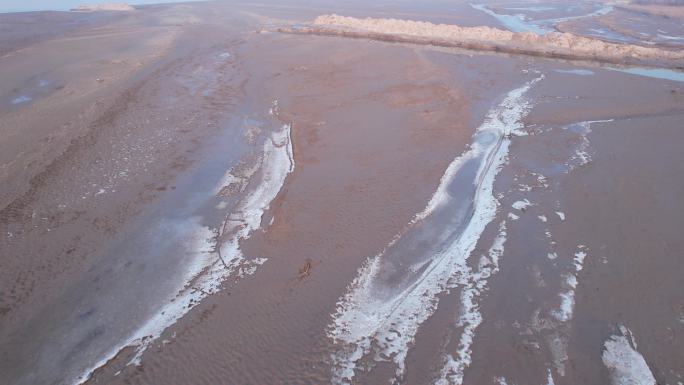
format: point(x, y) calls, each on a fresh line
point(656, 73)
point(514, 23)
point(215, 254)
point(21, 99)
point(397, 290)
point(538, 8)
point(625, 364)
point(582, 155)
point(521, 23)
point(579, 72)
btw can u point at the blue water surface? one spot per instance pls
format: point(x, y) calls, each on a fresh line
point(657, 73)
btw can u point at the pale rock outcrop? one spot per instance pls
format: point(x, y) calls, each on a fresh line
point(562, 45)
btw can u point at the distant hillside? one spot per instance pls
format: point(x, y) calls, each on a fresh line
point(658, 2)
point(104, 7)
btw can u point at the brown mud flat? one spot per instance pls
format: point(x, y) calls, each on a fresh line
point(667, 11)
point(120, 108)
point(53, 146)
point(520, 339)
point(371, 143)
point(631, 26)
point(373, 127)
point(326, 219)
point(20, 30)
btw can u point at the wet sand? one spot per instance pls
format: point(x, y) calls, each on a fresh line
point(215, 203)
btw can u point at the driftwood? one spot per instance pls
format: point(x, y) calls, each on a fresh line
point(305, 271)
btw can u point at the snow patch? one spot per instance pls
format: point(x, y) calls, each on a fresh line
point(549, 377)
point(21, 99)
point(521, 205)
point(475, 284)
point(567, 298)
point(626, 366)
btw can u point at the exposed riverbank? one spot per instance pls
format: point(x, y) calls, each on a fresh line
point(553, 45)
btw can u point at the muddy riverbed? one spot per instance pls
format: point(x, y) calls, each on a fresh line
point(189, 196)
